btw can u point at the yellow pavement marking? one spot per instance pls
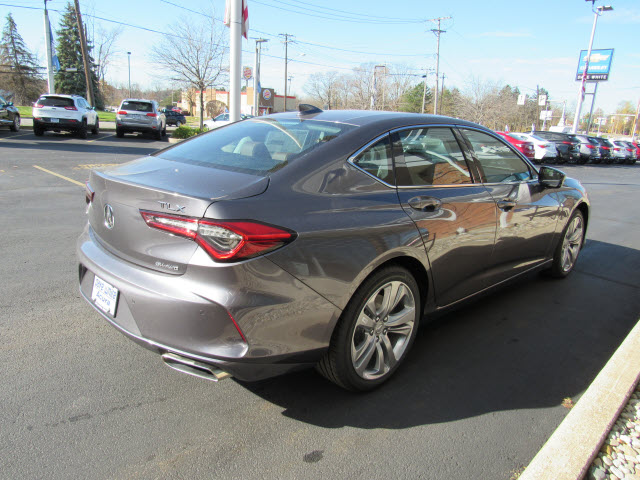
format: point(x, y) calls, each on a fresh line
point(60, 176)
point(14, 136)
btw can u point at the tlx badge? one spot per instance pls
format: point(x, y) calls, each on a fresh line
point(172, 207)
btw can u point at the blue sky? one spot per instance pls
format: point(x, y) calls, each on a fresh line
point(523, 44)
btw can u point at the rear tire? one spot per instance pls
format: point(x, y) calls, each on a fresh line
point(569, 246)
point(119, 133)
point(15, 126)
point(375, 332)
point(178, 123)
point(38, 131)
point(96, 128)
point(157, 134)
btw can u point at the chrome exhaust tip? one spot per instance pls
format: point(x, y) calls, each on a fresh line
point(193, 367)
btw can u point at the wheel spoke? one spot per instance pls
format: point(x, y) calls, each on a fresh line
point(403, 317)
point(365, 320)
point(363, 355)
point(379, 366)
point(387, 349)
point(404, 329)
point(392, 294)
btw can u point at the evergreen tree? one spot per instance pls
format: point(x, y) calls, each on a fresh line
point(19, 70)
point(69, 52)
point(412, 100)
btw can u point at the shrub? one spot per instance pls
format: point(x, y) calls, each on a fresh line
point(183, 131)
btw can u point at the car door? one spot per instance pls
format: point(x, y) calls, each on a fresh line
point(527, 212)
point(4, 112)
point(455, 215)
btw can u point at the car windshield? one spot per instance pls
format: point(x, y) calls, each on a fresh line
point(137, 106)
point(256, 146)
point(55, 102)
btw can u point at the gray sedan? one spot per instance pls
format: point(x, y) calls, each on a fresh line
point(317, 239)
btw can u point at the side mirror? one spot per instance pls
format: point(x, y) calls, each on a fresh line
point(10, 104)
point(550, 177)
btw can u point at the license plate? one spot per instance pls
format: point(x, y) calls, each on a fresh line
point(105, 296)
point(55, 120)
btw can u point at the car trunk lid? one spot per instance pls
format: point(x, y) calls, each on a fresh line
point(158, 185)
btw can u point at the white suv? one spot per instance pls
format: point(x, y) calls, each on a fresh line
point(59, 112)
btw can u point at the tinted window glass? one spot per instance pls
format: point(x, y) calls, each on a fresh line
point(432, 157)
point(257, 147)
point(377, 160)
point(55, 102)
point(137, 106)
point(498, 162)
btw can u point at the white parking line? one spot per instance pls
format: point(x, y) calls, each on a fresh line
point(14, 136)
point(101, 138)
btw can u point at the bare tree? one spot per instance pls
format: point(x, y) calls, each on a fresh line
point(104, 48)
point(196, 57)
point(323, 88)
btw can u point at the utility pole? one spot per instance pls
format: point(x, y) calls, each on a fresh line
point(47, 36)
point(235, 60)
point(256, 76)
point(437, 32)
point(286, 61)
point(85, 55)
point(442, 93)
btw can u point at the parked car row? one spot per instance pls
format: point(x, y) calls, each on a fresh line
point(558, 148)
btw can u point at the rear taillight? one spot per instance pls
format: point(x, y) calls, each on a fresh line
point(606, 148)
point(590, 146)
point(617, 149)
point(151, 115)
point(543, 146)
point(88, 193)
point(224, 241)
point(567, 143)
point(38, 105)
point(71, 108)
point(122, 112)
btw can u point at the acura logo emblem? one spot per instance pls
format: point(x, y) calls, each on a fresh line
point(109, 219)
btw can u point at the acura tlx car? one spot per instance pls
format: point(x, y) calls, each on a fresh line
point(317, 239)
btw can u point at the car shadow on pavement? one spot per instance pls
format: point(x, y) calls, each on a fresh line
point(528, 345)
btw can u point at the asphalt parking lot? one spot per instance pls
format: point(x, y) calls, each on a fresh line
point(479, 395)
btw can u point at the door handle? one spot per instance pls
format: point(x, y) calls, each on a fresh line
point(506, 204)
point(425, 204)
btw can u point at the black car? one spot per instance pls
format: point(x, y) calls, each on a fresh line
point(9, 115)
point(568, 146)
point(174, 118)
point(606, 149)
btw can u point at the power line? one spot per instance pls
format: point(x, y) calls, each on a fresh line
point(437, 32)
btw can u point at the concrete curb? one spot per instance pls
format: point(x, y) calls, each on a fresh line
point(570, 450)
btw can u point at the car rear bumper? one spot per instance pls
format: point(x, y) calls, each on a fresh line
point(61, 124)
point(137, 128)
point(286, 325)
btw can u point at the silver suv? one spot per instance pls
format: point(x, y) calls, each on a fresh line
point(140, 115)
point(70, 113)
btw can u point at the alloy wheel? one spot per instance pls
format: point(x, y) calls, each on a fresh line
point(572, 243)
point(383, 330)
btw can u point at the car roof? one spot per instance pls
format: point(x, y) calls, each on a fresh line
point(382, 119)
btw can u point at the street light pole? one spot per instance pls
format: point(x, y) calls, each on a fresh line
point(129, 63)
point(597, 12)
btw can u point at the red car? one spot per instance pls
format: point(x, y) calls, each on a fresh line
point(525, 147)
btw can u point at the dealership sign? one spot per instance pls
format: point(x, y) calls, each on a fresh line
point(599, 65)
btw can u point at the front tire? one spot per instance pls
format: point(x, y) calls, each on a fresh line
point(96, 127)
point(15, 126)
point(375, 332)
point(569, 246)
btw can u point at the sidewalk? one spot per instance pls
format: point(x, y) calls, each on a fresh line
point(574, 445)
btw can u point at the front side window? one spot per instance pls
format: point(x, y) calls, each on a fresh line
point(497, 162)
point(432, 156)
point(377, 160)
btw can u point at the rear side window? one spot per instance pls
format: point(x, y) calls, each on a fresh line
point(377, 160)
point(498, 163)
point(55, 102)
point(137, 106)
point(431, 156)
point(258, 146)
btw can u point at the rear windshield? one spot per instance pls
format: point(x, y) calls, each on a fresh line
point(137, 106)
point(257, 146)
point(55, 102)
